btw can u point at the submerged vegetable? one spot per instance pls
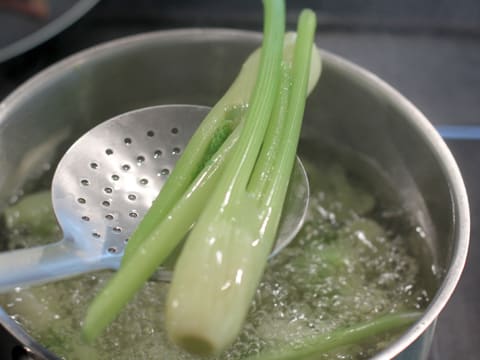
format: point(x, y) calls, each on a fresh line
point(34, 213)
point(310, 349)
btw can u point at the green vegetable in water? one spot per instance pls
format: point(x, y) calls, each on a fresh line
point(159, 241)
point(329, 278)
point(223, 118)
point(226, 252)
point(310, 349)
point(240, 162)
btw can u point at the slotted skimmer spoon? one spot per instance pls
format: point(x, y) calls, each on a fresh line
point(104, 185)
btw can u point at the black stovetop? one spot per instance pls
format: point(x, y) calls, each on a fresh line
point(428, 51)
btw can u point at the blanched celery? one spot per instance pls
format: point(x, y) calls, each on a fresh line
point(159, 234)
point(219, 123)
point(153, 251)
point(358, 333)
point(227, 113)
point(223, 259)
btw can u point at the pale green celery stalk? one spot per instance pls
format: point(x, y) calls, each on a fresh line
point(262, 171)
point(224, 257)
point(153, 250)
point(273, 147)
point(195, 153)
point(312, 348)
point(171, 230)
point(284, 151)
point(229, 108)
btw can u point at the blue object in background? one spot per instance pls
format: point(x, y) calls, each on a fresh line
point(459, 132)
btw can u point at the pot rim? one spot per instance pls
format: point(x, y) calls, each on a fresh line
point(461, 213)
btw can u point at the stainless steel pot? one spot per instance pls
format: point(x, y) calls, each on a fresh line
point(350, 106)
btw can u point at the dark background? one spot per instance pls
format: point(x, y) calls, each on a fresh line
point(427, 49)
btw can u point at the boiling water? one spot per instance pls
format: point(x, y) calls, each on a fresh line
point(351, 262)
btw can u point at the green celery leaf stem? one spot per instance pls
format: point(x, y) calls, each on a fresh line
point(209, 272)
point(194, 156)
point(280, 145)
point(262, 171)
point(261, 105)
point(177, 182)
point(157, 246)
point(287, 147)
point(312, 348)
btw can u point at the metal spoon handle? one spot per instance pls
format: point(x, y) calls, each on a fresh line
point(41, 264)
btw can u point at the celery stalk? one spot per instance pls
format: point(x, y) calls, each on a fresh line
point(165, 230)
point(201, 146)
point(153, 251)
point(226, 252)
point(312, 348)
point(168, 233)
point(226, 114)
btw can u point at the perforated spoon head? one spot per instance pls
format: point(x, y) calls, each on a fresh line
point(108, 179)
